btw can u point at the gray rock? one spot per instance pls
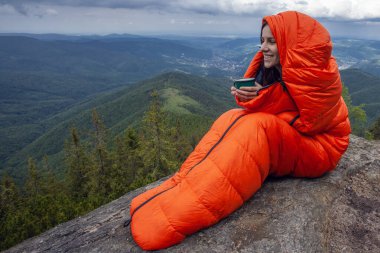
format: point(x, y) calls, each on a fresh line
point(339, 212)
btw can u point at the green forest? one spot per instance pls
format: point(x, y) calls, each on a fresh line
point(97, 170)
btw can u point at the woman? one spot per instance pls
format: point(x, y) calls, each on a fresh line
point(295, 123)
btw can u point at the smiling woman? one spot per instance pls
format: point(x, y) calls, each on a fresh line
point(270, 70)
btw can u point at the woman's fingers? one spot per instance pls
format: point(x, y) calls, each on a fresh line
point(233, 91)
point(249, 89)
point(245, 93)
point(245, 97)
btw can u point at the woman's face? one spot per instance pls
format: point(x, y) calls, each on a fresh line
point(269, 48)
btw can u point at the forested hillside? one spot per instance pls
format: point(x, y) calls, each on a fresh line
point(96, 170)
point(364, 88)
point(194, 101)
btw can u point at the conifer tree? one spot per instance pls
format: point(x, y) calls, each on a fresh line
point(101, 173)
point(126, 162)
point(33, 181)
point(78, 167)
point(27, 216)
point(9, 205)
point(49, 182)
point(9, 196)
point(34, 216)
point(157, 147)
point(56, 193)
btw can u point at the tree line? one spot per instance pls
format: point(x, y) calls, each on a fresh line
point(97, 171)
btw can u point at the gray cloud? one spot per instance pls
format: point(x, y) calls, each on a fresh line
point(334, 10)
point(19, 6)
point(326, 9)
point(130, 4)
point(202, 7)
point(191, 17)
point(301, 2)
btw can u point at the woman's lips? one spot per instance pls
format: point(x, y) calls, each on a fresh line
point(267, 57)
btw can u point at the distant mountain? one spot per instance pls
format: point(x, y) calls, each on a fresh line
point(128, 59)
point(194, 101)
point(54, 36)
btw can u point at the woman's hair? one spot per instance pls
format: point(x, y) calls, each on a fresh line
point(271, 75)
point(262, 27)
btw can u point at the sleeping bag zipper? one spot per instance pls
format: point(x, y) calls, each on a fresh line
point(128, 221)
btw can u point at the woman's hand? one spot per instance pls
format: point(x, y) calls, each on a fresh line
point(246, 93)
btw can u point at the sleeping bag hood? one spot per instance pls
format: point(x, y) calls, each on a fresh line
point(309, 71)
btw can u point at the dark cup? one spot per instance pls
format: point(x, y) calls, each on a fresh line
point(244, 82)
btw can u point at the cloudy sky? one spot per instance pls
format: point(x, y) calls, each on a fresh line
point(348, 18)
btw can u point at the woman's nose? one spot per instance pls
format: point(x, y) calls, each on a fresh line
point(263, 46)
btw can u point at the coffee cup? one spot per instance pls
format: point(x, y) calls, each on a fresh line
point(244, 82)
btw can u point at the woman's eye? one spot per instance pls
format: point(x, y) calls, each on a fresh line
point(270, 41)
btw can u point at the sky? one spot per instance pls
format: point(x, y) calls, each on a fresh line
point(343, 18)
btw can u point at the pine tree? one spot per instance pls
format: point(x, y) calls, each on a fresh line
point(9, 197)
point(126, 162)
point(101, 173)
point(56, 193)
point(79, 166)
point(157, 147)
point(9, 205)
point(34, 216)
point(33, 181)
point(49, 182)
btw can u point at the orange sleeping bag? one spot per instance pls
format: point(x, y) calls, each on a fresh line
point(298, 126)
